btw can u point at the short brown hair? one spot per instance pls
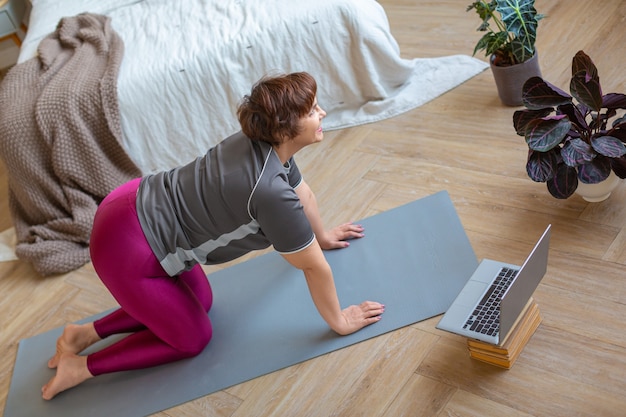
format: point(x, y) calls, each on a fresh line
point(273, 109)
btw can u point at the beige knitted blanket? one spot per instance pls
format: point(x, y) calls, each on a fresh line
point(60, 141)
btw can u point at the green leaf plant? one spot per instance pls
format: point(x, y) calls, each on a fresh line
point(511, 30)
point(572, 138)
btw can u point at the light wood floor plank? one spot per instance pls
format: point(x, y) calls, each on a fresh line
point(600, 364)
point(385, 377)
point(421, 396)
point(526, 388)
point(576, 313)
point(466, 404)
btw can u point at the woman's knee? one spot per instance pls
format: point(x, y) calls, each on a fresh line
point(196, 343)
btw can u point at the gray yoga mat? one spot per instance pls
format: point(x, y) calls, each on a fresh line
point(414, 259)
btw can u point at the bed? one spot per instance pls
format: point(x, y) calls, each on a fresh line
point(184, 68)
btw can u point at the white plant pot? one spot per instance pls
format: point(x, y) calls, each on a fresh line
point(595, 193)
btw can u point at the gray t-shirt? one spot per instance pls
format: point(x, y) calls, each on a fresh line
point(237, 198)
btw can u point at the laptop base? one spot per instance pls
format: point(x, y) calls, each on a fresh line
point(506, 354)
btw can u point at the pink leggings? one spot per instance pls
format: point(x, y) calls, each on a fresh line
point(166, 316)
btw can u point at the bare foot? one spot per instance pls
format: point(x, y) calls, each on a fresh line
point(75, 339)
point(71, 371)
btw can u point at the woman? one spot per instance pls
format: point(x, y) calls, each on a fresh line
point(151, 235)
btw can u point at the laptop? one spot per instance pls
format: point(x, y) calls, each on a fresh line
point(496, 295)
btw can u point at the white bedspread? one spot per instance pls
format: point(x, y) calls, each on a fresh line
point(188, 63)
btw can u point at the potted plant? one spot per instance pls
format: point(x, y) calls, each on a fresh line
point(574, 139)
point(509, 43)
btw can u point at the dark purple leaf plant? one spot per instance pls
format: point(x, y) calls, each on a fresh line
point(572, 138)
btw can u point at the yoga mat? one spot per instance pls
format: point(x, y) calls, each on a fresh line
point(414, 259)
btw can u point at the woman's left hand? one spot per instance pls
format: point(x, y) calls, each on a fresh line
point(337, 237)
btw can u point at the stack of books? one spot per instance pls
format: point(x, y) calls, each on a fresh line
point(507, 352)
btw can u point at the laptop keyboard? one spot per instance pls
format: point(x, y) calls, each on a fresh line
point(486, 316)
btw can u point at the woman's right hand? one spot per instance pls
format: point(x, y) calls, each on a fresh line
point(319, 278)
point(358, 316)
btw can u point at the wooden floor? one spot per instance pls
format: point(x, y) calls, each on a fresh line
point(463, 142)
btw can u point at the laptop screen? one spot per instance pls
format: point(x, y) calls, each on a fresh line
point(527, 280)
